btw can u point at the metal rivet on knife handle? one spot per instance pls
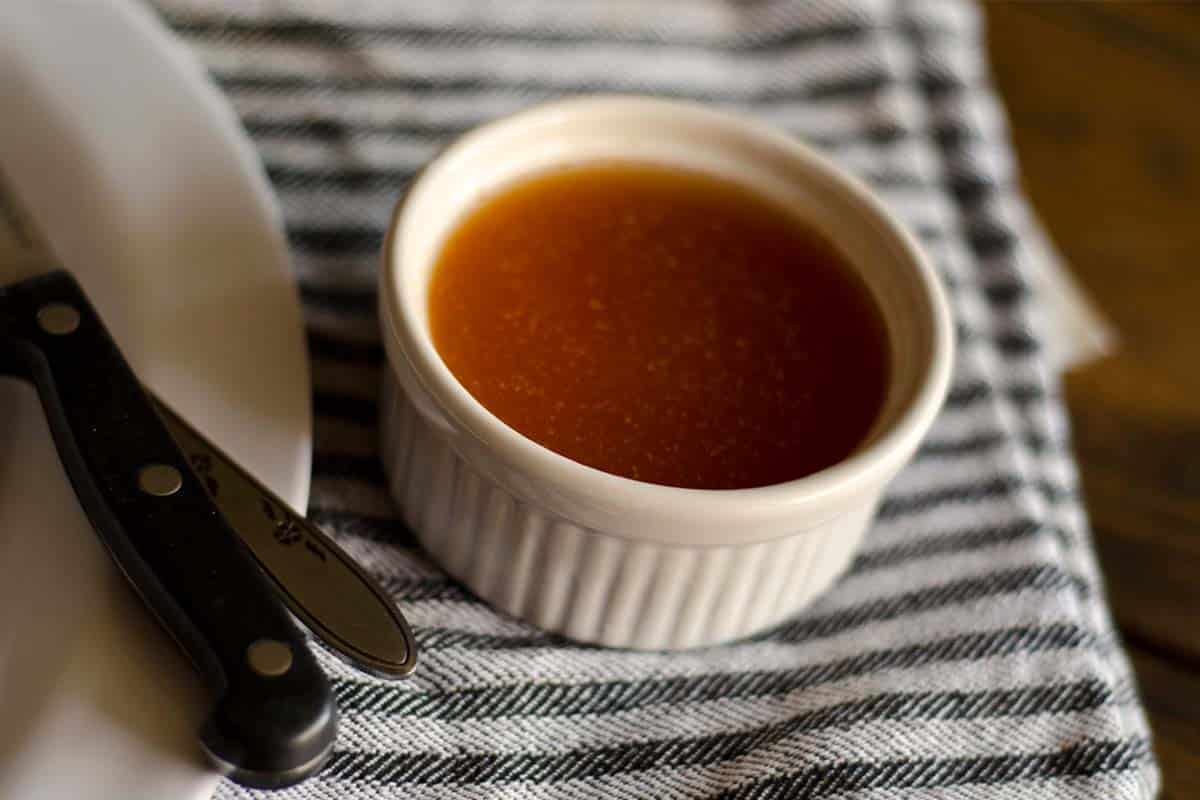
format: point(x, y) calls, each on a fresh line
point(269, 658)
point(58, 319)
point(160, 480)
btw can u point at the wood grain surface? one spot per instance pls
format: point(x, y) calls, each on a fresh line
point(1104, 101)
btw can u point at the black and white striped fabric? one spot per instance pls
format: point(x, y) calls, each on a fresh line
point(968, 652)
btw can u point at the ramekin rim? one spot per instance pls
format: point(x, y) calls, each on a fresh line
point(872, 464)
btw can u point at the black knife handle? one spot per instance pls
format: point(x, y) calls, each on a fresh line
point(274, 719)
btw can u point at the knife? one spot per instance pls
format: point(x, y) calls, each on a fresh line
point(273, 719)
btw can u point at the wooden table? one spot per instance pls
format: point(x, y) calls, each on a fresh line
point(1104, 100)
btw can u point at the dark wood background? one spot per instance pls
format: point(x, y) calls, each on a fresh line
point(1104, 101)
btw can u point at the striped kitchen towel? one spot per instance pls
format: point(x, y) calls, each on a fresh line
point(968, 652)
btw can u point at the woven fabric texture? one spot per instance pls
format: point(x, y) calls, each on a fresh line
point(967, 653)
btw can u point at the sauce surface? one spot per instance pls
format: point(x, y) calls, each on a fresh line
point(663, 325)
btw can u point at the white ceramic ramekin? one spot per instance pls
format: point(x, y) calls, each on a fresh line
point(602, 558)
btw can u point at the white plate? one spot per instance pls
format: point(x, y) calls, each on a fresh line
point(150, 192)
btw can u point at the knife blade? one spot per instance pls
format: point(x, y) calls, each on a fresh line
point(273, 719)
